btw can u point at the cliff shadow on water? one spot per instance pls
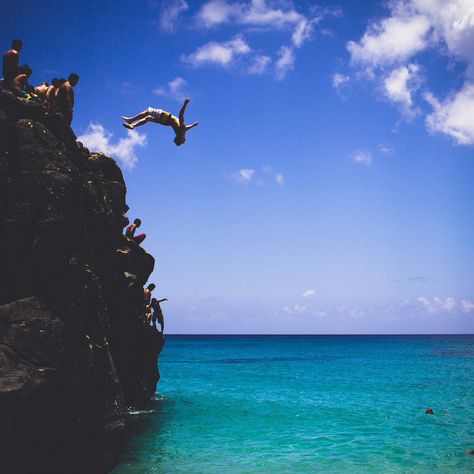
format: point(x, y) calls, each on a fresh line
point(74, 349)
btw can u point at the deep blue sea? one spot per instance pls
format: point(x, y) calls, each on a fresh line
point(304, 404)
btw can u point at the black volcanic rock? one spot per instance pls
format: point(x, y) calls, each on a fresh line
point(74, 349)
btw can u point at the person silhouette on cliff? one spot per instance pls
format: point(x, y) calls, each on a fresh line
point(147, 293)
point(158, 313)
point(130, 232)
point(163, 118)
point(64, 100)
point(11, 63)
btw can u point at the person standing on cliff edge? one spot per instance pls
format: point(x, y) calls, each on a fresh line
point(163, 118)
point(64, 100)
point(11, 63)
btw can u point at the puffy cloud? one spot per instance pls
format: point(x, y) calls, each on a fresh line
point(467, 306)
point(258, 13)
point(399, 86)
point(280, 179)
point(97, 138)
point(244, 176)
point(175, 89)
point(412, 26)
point(393, 39)
point(437, 305)
point(221, 54)
point(170, 12)
point(339, 80)
point(259, 178)
point(362, 157)
point(454, 116)
point(308, 293)
point(285, 62)
point(259, 65)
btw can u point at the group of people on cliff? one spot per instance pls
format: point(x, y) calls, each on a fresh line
point(57, 97)
point(152, 312)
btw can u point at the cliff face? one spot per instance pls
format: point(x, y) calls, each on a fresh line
point(74, 351)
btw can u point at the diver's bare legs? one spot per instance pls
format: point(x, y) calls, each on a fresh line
point(141, 122)
point(137, 117)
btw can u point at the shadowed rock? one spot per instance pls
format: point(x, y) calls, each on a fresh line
point(73, 347)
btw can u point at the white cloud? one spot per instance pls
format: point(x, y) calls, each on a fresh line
point(399, 86)
point(244, 176)
point(285, 62)
point(295, 309)
point(217, 12)
point(339, 80)
point(176, 89)
point(259, 65)
point(467, 306)
point(413, 26)
point(221, 54)
point(455, 116)
point(393, 39)
point(308, 293)
point(258, 13)
point(438, 305)
point(97, 138)
point(362, 157)
point(280, 179)
point(172, 9)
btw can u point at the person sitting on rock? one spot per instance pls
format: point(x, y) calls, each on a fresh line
point(158, 313)
point(11, 63)
point(64, 99)
point(147, 293)
point(164, 118)
point(41, 90)
point(50, 96)
point(130, 232)
point(20, 85)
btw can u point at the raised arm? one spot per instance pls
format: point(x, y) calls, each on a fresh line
point(164, 299)
point(181, 112)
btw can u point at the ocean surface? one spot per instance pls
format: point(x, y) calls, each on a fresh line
point(304, 404)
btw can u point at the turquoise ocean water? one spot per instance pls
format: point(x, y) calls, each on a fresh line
point(290, 404)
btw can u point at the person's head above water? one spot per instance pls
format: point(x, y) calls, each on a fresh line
point(17, 45)
point(137, 222)
point(73, 79)
point(179, 140)
point(151, 287)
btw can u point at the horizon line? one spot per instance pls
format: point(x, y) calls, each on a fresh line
point(320, 335)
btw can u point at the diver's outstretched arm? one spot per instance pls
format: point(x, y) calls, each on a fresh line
point(189, 127)
point(181, 112)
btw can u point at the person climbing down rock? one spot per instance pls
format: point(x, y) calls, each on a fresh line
point(163, 118)
point(158, 313)
point(130, 232)
point(64, 100)
point(147, 293)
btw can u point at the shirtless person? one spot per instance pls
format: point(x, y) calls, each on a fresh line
point(50, 96)
point(11, 63)
point(41, 90)
point(20, 85)
point(64, 100)
point(164, 118)
point(158, 313)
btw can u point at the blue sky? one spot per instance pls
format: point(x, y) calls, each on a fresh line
point(328, 188)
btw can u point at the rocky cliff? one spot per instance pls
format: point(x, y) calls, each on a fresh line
point(74, 350)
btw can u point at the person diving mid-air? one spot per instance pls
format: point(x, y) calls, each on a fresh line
point(164, 118)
